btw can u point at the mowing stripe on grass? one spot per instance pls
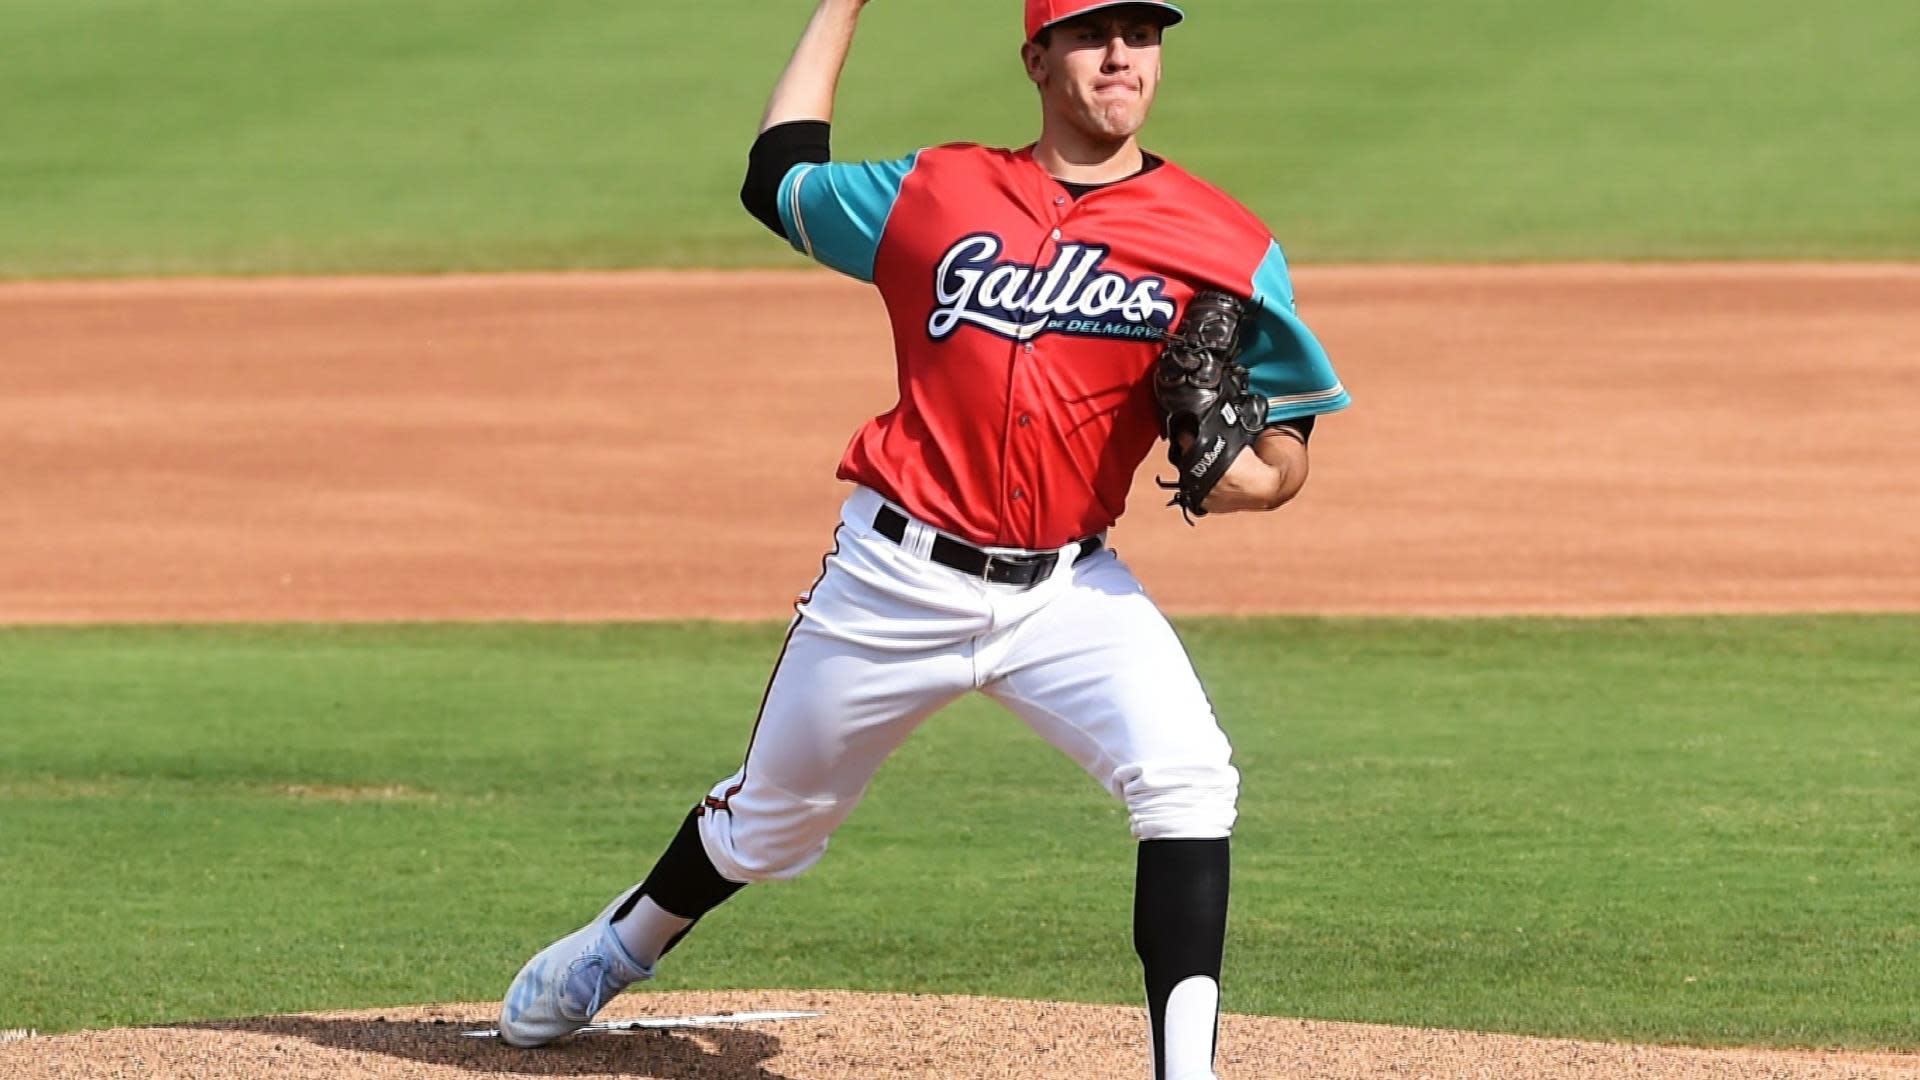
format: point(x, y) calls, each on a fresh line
point(1689, 829)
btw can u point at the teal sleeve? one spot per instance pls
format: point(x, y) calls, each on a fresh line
point(1283, 360)
point(835, 212)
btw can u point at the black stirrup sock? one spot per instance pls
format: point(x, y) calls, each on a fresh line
point(684, 882)
point(1180, 931)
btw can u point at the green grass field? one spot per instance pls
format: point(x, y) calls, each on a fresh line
point(323, 135)
point(1698, 830)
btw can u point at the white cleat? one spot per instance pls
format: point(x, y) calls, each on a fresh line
point(558, 991)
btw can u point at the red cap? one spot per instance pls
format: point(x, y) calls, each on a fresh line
point(1044, 13)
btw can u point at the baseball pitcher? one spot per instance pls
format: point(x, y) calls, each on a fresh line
point(1056, 309)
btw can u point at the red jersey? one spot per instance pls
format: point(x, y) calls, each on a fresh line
point(1025, 323)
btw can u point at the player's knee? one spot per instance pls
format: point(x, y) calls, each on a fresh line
point(760, 845)
point(762, 864)
point(1181, 800)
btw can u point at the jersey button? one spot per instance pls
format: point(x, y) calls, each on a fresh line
point(1019, 494)
point(1026, 420)
point(1059, 200)
point(1056, 234)
point(1027, 347)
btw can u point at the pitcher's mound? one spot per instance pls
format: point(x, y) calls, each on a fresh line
point(865, 1036)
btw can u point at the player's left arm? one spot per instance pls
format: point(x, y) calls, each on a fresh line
point(1266, 475)
point(1288, 366)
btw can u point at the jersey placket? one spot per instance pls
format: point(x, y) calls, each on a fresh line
point(1022, 461)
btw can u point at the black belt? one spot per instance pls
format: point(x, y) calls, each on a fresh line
point(970, 560)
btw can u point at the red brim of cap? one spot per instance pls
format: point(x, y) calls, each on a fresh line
point(1037, 21)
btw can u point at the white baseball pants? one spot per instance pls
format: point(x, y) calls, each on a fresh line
point(887, 637)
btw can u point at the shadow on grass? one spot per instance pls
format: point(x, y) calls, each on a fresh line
point(706, 1054)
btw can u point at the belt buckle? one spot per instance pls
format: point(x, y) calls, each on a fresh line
point(1023, 570)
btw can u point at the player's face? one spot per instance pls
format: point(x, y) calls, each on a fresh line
point(1099, 72)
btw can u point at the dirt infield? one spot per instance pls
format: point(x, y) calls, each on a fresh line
point(598, 446)
point(874, 1037)
point(1524, 439)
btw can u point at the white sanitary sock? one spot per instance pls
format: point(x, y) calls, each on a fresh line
point(1193, 1012)
point(647, 929)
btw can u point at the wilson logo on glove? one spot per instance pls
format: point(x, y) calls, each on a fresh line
point(1200, 467)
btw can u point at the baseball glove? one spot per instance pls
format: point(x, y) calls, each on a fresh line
point(1208, 414)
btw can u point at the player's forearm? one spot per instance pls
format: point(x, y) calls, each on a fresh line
point(806, 88)
point(1266, 475)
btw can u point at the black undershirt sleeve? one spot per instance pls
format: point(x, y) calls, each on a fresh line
point(1301, 424)
point(774, 154)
